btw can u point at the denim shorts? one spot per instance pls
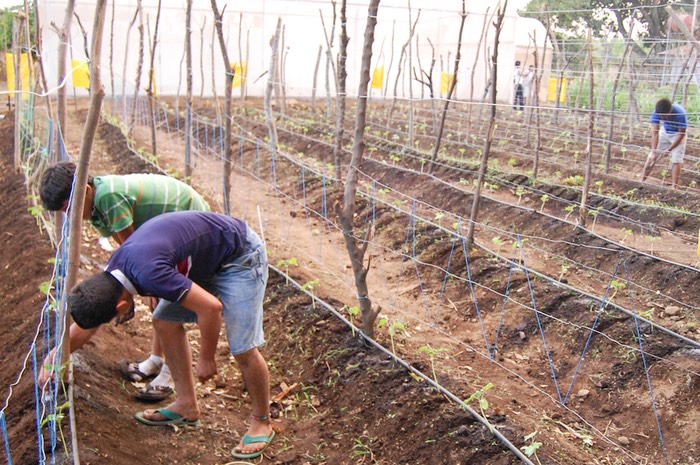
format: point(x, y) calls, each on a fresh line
point(240, 285)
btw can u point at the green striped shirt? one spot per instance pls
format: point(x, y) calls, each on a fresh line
point(133, 199)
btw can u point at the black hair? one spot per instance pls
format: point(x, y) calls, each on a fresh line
point(517, 63)
point(94, 301)
point(664, 107)
point(56, 185)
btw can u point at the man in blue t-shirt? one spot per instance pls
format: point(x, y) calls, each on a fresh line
point(669, 123)
point(201, 266)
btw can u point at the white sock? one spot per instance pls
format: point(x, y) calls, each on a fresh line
point(164, 378)
point(151, 365)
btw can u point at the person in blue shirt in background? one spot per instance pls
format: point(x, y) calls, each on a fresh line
point(669, 124)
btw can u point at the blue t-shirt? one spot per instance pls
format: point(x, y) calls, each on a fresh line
point(677, 120)
point(167, 253)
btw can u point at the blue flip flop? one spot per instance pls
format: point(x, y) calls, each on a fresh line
point(253, 439)
point(172, 418)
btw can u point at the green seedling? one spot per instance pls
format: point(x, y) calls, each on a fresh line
point(392, 329)
point(563, 270)
point(594, 214)
point(544, 199)
point(353, 312)
point(431, 352)
point(286, 264)
point(362, 447)
point(518, 245)
point(531, 449)
point(569, 209)
point(599, 185)
point(649, 315)
point(651, 240)
point(480, 396)
point(627, 232)
point(309, 286)
point(520, 191)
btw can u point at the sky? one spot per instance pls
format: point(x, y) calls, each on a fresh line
point(9, 3)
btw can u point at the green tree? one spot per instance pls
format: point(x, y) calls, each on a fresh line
point(6, 17)
point(571, 18)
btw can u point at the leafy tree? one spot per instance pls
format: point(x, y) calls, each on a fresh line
point(571, 18)
point(6, 16)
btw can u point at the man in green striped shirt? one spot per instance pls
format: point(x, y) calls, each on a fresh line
point(116, 206)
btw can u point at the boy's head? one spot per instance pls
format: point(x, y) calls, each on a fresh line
point(664, 107)
point(517, 63)
point(97, 300)
point(57, 184)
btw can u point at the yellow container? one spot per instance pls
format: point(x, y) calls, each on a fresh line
point(552, 90)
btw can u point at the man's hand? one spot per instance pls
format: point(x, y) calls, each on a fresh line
point(48, 369)
point(205, 369)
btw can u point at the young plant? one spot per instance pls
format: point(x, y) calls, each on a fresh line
point(531, 449)
point(286, 264)
point(569, 209)
point(627, 232)
point(353, 313)
point(599, 185)
point(431, 352)
point(309, 286)
point(518, 245)
point(480, 396)
point(564, 269)
point(651, 240)
point(362, 447)
point(520, 191)
point(544, 199)
point(392, 329)
point(594, 214)
point(649, 315)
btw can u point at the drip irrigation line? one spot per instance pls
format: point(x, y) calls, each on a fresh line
point(556, 218)
point(505, 182)
point(410, 368)
point(605, 239)
point(662, 328)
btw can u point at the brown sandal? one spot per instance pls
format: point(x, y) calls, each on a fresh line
point(130, 372)
point(151, 393)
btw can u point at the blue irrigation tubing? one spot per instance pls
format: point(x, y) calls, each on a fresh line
point(329, 226)
point(444, 281)
point(358, 331)
point(611, 305)
point(471, 289)
point(380, 268)
point(324, 214)
point(166, 120)
point(651, 389)
point(404, 254)
point(601, 308)
point(640, 338)
point(49, 147)
point(539, 324)
point(196, 138)
point(3, 427)
point(505, 301)
point(303, 195)
point(37, 406)
point(414, 259)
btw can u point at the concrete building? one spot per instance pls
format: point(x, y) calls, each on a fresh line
point(249, 27)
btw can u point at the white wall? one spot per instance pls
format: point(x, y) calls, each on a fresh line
point(303, 34)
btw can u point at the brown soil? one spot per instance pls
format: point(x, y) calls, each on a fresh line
point(352, 404)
